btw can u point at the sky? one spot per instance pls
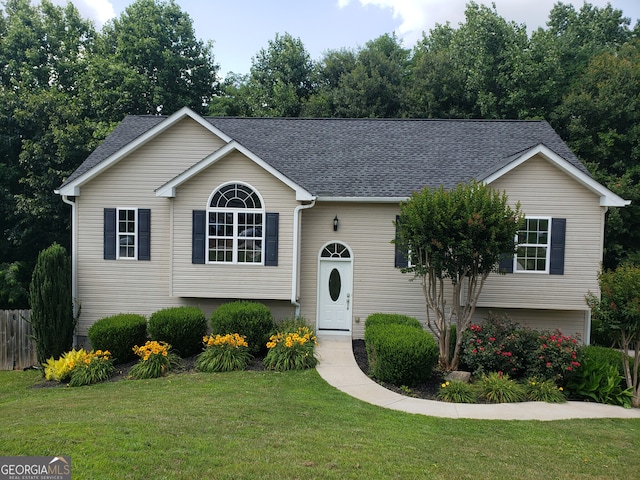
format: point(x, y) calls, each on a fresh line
point(241, 28)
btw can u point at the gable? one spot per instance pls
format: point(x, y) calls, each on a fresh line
point(133, 134)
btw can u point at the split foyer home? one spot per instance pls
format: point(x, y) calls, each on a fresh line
point(299, 215)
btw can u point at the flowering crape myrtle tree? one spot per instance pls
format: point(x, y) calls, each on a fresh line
point(618, 310)
point(455, 239)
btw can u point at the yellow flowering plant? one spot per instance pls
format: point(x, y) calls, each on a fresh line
point(457, 392)
point(156, 359)
point(224, 353)
point(95, 366)
point(291, 350)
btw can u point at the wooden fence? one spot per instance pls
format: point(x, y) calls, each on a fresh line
point(17, 348)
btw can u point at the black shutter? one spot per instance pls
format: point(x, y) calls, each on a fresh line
point(506, 263)
point(271, 240)
point(144, 234)
point(401, 253)
point(556, 258)
point(198, 236)
point(109, 233)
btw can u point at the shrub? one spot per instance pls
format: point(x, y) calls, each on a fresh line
point(457, 392)
point(181, 327)
point(156, 359)
point(498, 345)
point(249, 319)
point(223, 353)
point(544, 391)
point(557, 356)
point(390, 318)
point(51, 303)
point(400, 354)
point(599, 378)
point(118, 334)
point(95, 366)
point(497, 387)
point(291, 350)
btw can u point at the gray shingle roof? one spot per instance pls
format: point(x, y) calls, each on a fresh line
point(368, 157)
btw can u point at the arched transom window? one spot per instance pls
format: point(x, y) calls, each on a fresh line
point(236, 225)
point(335, 250)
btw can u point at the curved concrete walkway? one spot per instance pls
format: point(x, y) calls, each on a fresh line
point(338, 367)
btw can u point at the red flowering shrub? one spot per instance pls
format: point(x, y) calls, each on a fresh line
point(499, 345)
point(557, 355)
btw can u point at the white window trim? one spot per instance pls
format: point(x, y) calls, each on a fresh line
point(235, 211)
point(135, 233)
point(548, 248)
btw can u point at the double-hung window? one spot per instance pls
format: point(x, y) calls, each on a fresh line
point(236, 225)
point(534, 246)
point(127, 233)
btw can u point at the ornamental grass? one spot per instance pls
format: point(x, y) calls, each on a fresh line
point(224, 353)
point(156, 359)
point(291, 350)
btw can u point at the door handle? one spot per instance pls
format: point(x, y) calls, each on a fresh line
point(348, 298)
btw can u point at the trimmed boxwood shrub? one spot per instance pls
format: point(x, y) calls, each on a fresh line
point(181, 327)
point(400, 354)
point(388, 318)
point(118, 334)
point(251, 319)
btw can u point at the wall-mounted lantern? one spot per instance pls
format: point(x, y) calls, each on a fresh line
point(335, 224)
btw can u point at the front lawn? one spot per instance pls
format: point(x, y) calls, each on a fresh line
point(264, 424)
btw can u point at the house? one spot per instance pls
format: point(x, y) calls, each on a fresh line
point(299, 214)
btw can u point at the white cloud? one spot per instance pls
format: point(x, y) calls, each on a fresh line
point(417, 16)
point(97, 10)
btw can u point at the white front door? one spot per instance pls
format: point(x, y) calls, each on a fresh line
point(334, 294)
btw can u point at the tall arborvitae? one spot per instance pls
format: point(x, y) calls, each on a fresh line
point(51, 303)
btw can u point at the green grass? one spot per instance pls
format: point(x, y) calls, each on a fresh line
point(269, 425)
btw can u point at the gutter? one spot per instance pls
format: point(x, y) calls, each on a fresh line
point(74, 260)
point(296, 254)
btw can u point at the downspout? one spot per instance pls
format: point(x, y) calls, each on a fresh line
point(74, 260)
point(296, 254)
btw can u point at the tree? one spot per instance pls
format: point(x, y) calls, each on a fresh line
point(618, 310)
point(52, 316)
point(281, 78)
point(171, 68)
point(455, 239)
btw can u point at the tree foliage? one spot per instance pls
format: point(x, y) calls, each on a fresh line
point(618, 310)
point(455, 239)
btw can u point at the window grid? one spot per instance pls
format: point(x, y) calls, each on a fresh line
point(236, 225)
point(126, 233)
point(533, 246)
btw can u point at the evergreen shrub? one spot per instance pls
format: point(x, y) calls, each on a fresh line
point(400, 354)
point(118, 334)
point(52, 316)
point(252, 320)
point(181, 327)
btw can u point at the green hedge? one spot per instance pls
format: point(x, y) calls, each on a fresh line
point(251, 319)
point(118, 334)
point(391, 318)
point(400, 354)
point(181, 327)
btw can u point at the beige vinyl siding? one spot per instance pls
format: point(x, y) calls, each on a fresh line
point(107, 287)
point(378, 286)
point(543, 190)
point(232, 280)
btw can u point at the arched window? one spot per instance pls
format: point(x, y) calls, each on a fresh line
point(235, 225)
point(335, 250)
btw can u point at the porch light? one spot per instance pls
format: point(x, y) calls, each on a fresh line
point(335, 224)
